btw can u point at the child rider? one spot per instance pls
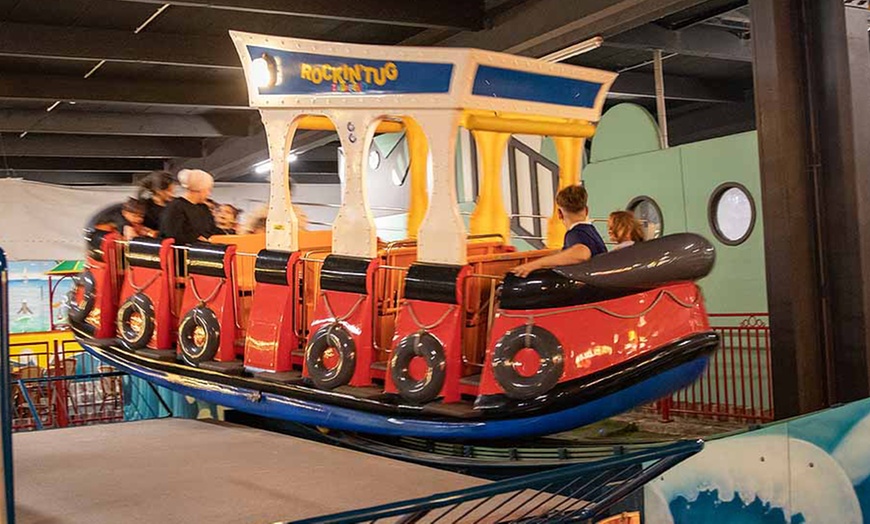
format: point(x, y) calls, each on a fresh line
point(582, 240)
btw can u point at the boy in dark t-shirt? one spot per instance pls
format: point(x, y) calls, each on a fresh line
point(582, 240)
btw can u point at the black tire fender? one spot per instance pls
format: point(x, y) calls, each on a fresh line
point(203, 317)
point(548, 348)
point(422, 344)
point(331, 337)
point(132, 339)
point(79, 311)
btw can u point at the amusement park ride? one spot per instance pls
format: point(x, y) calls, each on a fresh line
point(422, 337)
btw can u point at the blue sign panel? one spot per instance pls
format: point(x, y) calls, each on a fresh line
point(313, 74)
point(532, 87)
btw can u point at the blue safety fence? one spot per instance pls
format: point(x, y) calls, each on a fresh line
point(75, 389)
point(8, 492)
point(577, 493)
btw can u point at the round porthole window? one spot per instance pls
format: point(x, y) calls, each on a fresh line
point(732, 213)
point(648, 212)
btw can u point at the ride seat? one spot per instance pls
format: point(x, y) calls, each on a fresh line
point(148, 291)
point(208, 329)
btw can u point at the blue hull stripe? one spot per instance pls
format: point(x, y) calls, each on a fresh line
point(319, 414)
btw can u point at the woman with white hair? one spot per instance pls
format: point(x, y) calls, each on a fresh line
point(188, 219)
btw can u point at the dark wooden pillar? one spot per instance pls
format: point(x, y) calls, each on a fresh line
point(840, 78)
point(812, 72)
point(789, 206)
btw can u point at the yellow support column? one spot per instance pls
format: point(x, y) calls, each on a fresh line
point(569, 150)
point(490, 216)
point(418, 152)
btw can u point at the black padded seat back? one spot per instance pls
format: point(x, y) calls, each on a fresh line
point(271, 267)
point(207, 259)
point(144, 252)
point(683, 257)
point(432, 283)
point(94, 243)
point(343, 273)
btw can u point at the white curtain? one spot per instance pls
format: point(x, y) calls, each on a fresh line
point(44, 221)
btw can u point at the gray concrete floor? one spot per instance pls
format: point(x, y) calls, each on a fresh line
point(176, 470)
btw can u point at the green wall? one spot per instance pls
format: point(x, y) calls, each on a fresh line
point(681, 180)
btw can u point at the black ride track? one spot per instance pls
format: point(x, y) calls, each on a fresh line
point(566, 394)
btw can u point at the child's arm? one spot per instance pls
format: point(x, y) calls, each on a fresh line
point(573, 255)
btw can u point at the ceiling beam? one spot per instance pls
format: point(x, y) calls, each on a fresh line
point(127, 124)
point(236, 157)
point(314, 167)
point(80, 43)
point(223, 95)
point(710, 122)
point(538, 28)
point(461, 14)
point(76, 146)
point(75, 178)
point(642, 85)
point(708, 42)
point(88, 165)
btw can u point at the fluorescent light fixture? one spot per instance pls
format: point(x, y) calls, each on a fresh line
point(94, 69)
point(150, 18)
point(266, 165)
point(574, 50)
point(52, 106)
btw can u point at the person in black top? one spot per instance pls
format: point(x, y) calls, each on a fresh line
point(582, 240)
point(156, 190)
point(188, 219)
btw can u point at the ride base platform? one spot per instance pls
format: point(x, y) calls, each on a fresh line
point(181, 470)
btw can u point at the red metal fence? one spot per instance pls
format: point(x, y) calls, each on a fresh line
point(737, 384)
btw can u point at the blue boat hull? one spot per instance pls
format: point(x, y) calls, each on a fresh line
point(343, 418)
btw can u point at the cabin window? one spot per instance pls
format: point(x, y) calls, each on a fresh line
point(648, 212)
point(374, 158)
point(732, 213)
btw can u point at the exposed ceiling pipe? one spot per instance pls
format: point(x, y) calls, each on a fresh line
point(660, 98)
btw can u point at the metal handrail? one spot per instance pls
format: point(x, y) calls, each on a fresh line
point(656, 461)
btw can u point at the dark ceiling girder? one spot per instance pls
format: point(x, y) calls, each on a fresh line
point(75, 146)
point(706, 42)
point(700, 13)
point(460, 14)
point(314, 167)
point(642, 85)
point(87, 165)
point(542, 27)
point(224, 95)
point(235, 157)
point(710, 121)
point(80, 43)
point(74, 178)
point(126, 124)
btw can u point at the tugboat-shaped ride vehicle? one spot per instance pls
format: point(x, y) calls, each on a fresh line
point(429, 336)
